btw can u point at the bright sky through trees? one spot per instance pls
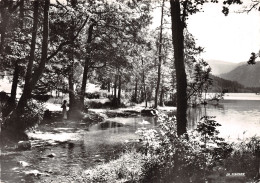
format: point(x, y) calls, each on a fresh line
point(229, 38)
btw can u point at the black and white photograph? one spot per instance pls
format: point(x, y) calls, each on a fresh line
point(130, 91)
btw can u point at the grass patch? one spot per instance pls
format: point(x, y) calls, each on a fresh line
point(127, 168)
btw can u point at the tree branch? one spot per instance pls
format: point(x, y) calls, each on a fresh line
point(67, 42)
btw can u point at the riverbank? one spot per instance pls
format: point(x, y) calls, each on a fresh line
point(155, 161)
point(103, 146)
point(56, 149)
point(75, 145)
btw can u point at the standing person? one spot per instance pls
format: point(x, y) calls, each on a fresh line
point(64, 109)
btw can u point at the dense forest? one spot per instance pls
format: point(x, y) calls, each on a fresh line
point(227, 86)
point(63, 45)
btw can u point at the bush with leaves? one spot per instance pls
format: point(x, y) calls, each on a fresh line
point(180, 158)
point(209, 140)
point(33, 114)
point(245, 158)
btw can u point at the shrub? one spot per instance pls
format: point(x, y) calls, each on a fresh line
point(128, 168)
point(178, 158)
point(95, 95)
point(172, 101)
point(32, 115)
point(110, 97)
point(245, 158)
point(169, 103)
point(3, 96)
point(99, 105)
point(41, 98)
point(94, 104)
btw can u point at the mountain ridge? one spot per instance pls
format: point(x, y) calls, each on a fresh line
point(247, 75)
point(220, 67)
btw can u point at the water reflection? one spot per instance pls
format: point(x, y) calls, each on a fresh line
point(239, 118)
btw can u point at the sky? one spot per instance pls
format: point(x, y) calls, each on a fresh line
point(229, 38)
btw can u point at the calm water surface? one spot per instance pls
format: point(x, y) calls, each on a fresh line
point(238, 113)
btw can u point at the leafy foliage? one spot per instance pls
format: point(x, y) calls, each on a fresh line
point(177, 158)
point(252, 59)
point(245, 158)
point(33, 115)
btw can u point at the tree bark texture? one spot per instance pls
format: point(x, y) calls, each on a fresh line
point(161, 96)
point(72, 99)
point(160, 62)
point(178, 44)
point(86, 66)
point(144, 86)
point(108, 86)
point(136, 85)
point(16, 66)
point(115, 86)
point(39, 71)
point(15, 82)
point(27, 86)
point(119, 89)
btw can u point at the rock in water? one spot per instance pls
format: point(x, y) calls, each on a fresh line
point(23, 163)
point(33, 172)
point(24, 145)
point(149, 112)
point(144, 122)
point(99, 160)
point(51, 155)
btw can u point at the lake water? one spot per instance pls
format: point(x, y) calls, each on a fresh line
point(238, 113)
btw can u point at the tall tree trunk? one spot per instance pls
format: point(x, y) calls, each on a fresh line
point(41, 67)
point(15, 82)
point(115, 86)
point(27, 87)
point(108, 86)
point(160, 61)
point(31, 80)
point(119, 89)
point(72, 99)
point(86, 66)
point(144, 87)
point(161, 96)
point(16, 67)
point(178, 44)
point(136, 85)
point(11, 102)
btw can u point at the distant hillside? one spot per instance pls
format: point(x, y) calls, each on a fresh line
point(247, 75)
point(220, 85)
point(220, 67)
